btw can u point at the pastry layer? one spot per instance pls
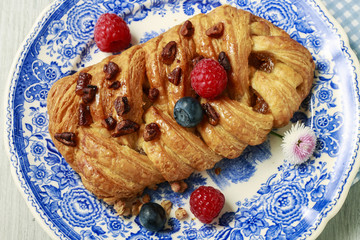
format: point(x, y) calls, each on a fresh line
point(270, 76)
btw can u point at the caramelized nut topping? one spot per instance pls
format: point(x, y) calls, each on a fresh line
point(115, 85)
point(258, 103)
point(109, 123)
point(153, 94)
point(66, 138)
point(215, 31)
point(111, 69)
point(187, 29)
point(263, 61)
point(125, 127)
point(224, 61)
point(197, 59)
point(85, 118)
point(213, 116)
point(89, 93)
point(169, 52)
point(82, 81)
point(122, 105)
point(151, 132)
point(175, 76)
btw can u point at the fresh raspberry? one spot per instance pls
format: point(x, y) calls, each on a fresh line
point(206, 203)
point(111, 33)
point(208, 78)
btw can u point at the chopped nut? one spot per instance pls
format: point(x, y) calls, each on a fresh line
point(213, 116)
point(125, 127)
point(82, 81)
point(224, 61)
point(122, 105)
point(187, 29)
point(169, 52)
point(89, 93)
point(178, 186)
point(66, 138)
point(216, 31)
point(151, 132)
point(175, 186)
point(167, 205)
point(109, 123)
point(85, 118)
point(111, 69)
point(146, 198)
point(181, 214)
point(121, 208)
point(115, 85)
point(217, 171)
point(153, 94)
point(175, 76)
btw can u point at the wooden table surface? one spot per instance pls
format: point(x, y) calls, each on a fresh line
point(16, 221)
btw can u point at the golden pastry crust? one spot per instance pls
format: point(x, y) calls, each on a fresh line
point(116, 168)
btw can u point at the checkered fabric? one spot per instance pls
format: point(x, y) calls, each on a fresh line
point(347, 13)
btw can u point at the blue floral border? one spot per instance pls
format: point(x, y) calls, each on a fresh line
point(353, 165)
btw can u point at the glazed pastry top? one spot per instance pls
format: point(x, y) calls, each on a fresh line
point(102, 115)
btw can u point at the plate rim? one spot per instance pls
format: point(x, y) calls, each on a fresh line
point(36, 27)
point(337, 203)
point(53, 232)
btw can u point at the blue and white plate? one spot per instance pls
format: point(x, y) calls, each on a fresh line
point(266, 197)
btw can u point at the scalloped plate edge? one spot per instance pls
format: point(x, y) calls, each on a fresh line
point(42, 220)
point(337, 203)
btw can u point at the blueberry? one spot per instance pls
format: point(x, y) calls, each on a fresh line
point(152, 216)
point(188, 112)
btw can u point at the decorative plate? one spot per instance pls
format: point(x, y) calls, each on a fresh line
point(266, 197)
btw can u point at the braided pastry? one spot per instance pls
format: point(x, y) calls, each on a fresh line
point(113, 121)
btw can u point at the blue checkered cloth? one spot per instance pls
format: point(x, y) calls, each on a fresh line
point(347, 13)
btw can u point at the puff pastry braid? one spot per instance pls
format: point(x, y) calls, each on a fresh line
point(99, 129)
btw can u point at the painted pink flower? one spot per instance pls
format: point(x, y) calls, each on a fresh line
point(298, 143)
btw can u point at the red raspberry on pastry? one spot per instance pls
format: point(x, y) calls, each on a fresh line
point(208, 78)
point(112, 34)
